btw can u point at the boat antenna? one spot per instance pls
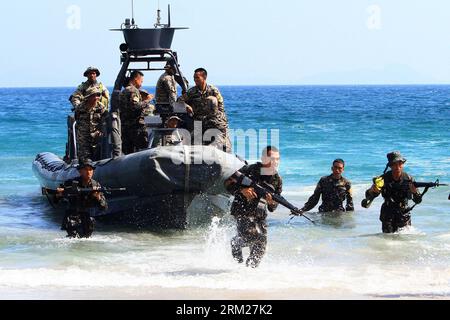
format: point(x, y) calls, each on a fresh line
point(132, 12)
point(158, 17)
point(169, 23)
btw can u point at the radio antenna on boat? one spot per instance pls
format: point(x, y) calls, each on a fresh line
point(169, 23)
point(158, 23)
point(158, 16)
point(132, 12)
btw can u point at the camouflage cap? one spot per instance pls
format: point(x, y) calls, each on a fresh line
point(85, 163)
point(394, 157)
point(91, 69)
point(92, 91)
point(172, 67)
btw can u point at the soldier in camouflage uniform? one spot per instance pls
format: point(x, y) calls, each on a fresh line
point(397, 188)
point(133, 109)
point(250, 211)
point(334, 189)
point(80, 94)
point(206, 105)
point(166, 88)
point(77, 221)
point(90, 117)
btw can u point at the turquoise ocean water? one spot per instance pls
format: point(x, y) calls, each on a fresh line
point(316, 125)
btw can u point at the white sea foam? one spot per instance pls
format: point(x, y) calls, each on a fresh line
point(93, 239)
point(361, 279)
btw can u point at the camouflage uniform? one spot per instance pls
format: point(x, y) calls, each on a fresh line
point(334, 192)
point(211, 112)
point(166, 89)
point(90, 122)
point(251, 216)
point(133, 110)
point(78, 222)
point(395, 213)
point(78, 96)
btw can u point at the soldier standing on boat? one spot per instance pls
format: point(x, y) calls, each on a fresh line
point(166, 88)
point(90, 117)
point(133, 109)
point(80, 94)
point(78, 222)
point(207, 106)
point(334, 189)
point(397, 188)
point(250, 211)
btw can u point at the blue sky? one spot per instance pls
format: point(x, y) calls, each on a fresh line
point(243, 42)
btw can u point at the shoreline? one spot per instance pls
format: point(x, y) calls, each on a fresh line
point(199, 294)
point(185, 293)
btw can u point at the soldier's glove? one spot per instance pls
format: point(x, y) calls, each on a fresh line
point(378, 183)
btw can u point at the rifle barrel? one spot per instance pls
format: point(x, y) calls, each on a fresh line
point(429, 184)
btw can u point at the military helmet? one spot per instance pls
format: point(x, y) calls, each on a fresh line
point(394, 157)
point(169, 66)
point(92, 91)
point(174, 118)
point(84, 163)
point(92, 69)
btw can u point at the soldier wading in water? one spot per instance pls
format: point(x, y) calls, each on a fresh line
point(334, 189)
point(78, 222)
point(250, 211)
point(397, 188)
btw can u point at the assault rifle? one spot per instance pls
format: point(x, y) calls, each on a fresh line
point(70, 192)
point(263, 190)
point(428, 185)
point(75, 190)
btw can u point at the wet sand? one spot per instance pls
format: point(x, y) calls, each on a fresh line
point(157, 293)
